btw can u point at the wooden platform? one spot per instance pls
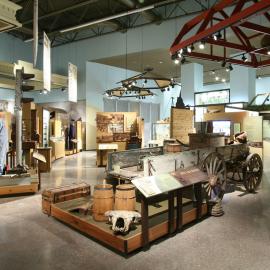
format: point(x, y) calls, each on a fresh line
point(18, 186)
point(158, 223)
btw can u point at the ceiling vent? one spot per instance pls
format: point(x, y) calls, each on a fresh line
point(8, 15)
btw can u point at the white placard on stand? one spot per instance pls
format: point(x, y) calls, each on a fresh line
point(46, 62)
point(72, 82)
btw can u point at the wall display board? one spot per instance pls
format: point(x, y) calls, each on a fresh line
point(155, 185)
point(72, 82)
point(46, 62)
point(113, 127)
point(181, 124)
point(212, 97)
point(253, 126)
point(160, 131)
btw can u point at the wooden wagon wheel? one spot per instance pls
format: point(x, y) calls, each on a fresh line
point(215, 167)
point(252, 172)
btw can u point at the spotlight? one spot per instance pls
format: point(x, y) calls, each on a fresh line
point(223, 63)
point(217, 36)
point(217, 78)
point(212, 72)
point(259, 77)
point(223, 80)
point(106, 94)
point(230, 67)
point(202, 45)
point(133, 83)
point(40, 92)
point(176, 61)
point(183, 60)
point(244, 58)
point(129, 86)
point(227, 69)
point(45, 92)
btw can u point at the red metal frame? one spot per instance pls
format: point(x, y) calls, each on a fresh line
point(208, 23)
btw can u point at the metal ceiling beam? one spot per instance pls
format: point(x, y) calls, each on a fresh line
point(149, 14)
point(62, 10)
point(237, 18)
point(256, 27)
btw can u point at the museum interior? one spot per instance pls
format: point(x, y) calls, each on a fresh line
point(134, 134)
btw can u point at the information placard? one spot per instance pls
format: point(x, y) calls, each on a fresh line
point(154, 185)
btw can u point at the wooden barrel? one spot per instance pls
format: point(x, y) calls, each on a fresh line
point(125, 198)
point(173, 147)
point(103, 201)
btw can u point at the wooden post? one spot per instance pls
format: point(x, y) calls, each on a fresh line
point(198, 195)
point(144, 222)
point(179, 207)
point(171, 212)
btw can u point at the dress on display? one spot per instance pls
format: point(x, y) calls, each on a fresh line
point(3, 145)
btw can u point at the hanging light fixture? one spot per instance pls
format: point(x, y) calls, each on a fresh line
point(202, 45)
point(244, 58)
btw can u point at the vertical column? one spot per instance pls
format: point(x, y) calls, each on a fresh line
point(242, 83)
point(192, 81)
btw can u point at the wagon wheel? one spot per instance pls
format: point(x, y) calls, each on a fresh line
point(215, 167)
point(252, 172)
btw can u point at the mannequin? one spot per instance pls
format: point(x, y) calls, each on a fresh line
point(3, 145)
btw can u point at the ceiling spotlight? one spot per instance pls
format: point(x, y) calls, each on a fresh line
point(129, 86)
point(189, 50)
point(268, 52)
point(244, 58)
point(230, 67)
point(202, 45)
point(45, 92)
point(259, 77)
point(212, 72)
point(223, 80)
point(217, 36)
point(223, 63)
point(176, 61)
point(133, 83)
point(217, 78)
point(40, 92)
point(183, 60)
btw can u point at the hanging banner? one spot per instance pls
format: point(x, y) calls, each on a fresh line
point(35, 33)
point(72, 82)
point(46, 62)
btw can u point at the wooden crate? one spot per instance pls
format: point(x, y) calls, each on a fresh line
point(181, 124)
point(63, 193)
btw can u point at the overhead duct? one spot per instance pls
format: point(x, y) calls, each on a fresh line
point(8, 15)
point(148, 14)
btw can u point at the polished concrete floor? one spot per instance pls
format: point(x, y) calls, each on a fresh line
point(30, 240)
